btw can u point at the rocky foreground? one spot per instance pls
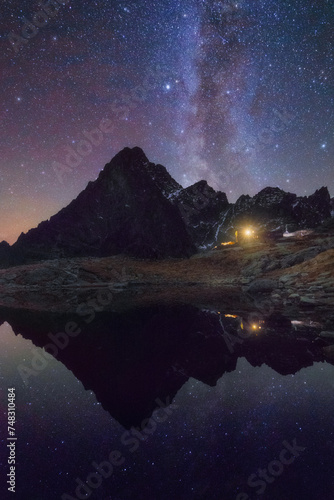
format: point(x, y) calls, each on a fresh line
point(290, 274)
point(290, 279)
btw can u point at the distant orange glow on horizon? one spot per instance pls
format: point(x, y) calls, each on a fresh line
point(26, 215)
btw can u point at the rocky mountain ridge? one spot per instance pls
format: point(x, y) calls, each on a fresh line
point(124, 210)
point(274, 211)
point(136, 208)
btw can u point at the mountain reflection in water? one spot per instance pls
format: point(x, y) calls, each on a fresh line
point(227, 420)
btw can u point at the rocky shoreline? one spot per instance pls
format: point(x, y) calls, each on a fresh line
point(291, 274)
point(289, 284)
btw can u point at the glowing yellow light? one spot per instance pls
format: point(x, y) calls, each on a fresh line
point(230, 316)
point(254, 327)
point(248, 232)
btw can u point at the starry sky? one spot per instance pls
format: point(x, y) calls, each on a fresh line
point(239, 93)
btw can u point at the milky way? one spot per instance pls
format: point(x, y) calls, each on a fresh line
point(238, 93)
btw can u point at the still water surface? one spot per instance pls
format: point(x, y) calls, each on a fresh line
point(180, 413)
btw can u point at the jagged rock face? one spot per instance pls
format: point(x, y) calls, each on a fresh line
point(201, 207)
point(123, 211)
point(273, 198)
point(136, 208)
point(273, 202)
point(7, 256)
point(313, 210)
point(271, 207)
point(274, 209)
point(163, 180)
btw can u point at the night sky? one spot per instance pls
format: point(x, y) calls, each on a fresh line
point(238, 93)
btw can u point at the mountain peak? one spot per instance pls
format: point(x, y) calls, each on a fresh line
point(135, 207)
point(130, 153)
point(123, 211)
point(129, 158)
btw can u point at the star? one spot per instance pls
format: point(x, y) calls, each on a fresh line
point(201, 87)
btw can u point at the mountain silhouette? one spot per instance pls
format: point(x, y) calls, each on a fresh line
point(136, 208)
point(123, 211)
point(130, 359)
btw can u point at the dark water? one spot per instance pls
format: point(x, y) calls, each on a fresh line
point(167, 403)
